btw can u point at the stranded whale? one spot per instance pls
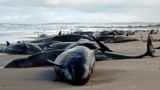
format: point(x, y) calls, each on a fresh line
point(75, 65)
point(21, 48)
point(150, 51)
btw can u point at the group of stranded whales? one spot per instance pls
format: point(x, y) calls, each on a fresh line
point(31, 48)
point(114, 36)
point(39, 59)
point(75, 63)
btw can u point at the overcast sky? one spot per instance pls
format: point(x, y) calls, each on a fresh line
point(88, 11)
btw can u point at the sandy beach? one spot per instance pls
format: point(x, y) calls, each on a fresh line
point(124, 74)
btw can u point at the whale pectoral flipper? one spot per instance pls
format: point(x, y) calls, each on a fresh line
point(55, 64)
point(102, 46)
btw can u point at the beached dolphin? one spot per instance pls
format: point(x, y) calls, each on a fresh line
point(21, 48)
point(75, 65)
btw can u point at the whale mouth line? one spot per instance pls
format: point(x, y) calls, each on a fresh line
point(73, 73)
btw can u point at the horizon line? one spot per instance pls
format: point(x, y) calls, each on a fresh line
point(88, 23)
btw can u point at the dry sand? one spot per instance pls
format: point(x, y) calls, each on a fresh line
point(127, 74)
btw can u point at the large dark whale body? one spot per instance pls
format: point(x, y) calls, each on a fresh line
point(68, 45)
point(63, 38)
point(75, 65)
point(70, 37)
point(59, 45)
point(22, 48)
point(120, 39)
point(46, 45)
point(84, 42)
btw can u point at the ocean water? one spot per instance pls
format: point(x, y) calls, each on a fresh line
point(18, 32)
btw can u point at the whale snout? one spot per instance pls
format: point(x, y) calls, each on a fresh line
point(80, 74)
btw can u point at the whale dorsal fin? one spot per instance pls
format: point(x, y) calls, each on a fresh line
point(55, 64)
point(60, 33)
point(8, 43)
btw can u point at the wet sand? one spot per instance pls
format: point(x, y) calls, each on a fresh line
point(124, 74)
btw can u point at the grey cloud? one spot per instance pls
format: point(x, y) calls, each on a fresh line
point(82, 5)
point(22, 3)
point(37, 11)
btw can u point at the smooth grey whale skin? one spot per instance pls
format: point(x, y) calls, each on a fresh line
point(75, 65)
